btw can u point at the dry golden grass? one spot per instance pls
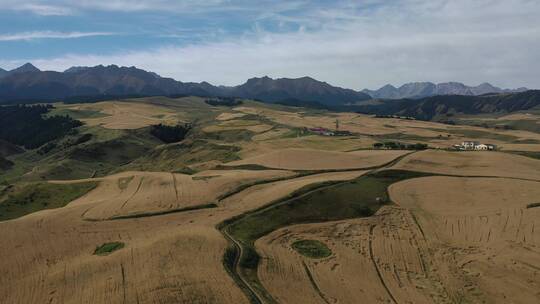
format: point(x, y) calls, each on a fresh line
point(237, 124)
point(486, 230)
point(521, 147)
point(175, 258)
point(229, 116)
point(309, 159)
point(366, 252)
point(369, 125)
point(315, 142)
point(47, 257)
point(127, 115)
point(135, 193)
point(450, 239)
point(472, 163)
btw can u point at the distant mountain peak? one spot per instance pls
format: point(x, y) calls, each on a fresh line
point(75, 69)
point(27, 67)
point(302, 89)
point(417, 90)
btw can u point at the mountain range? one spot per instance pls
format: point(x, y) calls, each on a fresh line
point(28, 83)
point(441, 107)
point(423, 100)
point(426, 89)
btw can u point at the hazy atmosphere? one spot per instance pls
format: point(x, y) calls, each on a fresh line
point(354, 44)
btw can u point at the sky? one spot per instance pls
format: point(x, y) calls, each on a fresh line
point(354, 44)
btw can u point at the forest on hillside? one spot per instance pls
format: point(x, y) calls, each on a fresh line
point(27, 126)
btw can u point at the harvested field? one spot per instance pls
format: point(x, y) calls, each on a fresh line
point(308, 159)
point(377, 259)
point(236, 124)
point(450, 240)
point(127, 115)
point(229, 116)
point(136, 193)
point(289, 140)
point(160, 263)
point(474, 163)
point(521, 147)
point(484, 225)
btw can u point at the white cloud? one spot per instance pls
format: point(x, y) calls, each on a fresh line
point(45, 10)
point(67, 7)
point(366, 46)
point(49, 35)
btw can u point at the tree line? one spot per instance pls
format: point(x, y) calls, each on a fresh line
point(28, 127)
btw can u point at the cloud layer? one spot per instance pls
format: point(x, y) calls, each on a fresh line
point(353, 44)
point(50, 35)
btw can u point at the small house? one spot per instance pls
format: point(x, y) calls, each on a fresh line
point(470, 145)
point(481, 147)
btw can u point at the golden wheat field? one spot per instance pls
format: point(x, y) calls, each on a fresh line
point(184, 222)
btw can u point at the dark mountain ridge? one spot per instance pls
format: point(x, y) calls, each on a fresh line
point(440, 106)
point(304, 89)
point(28, 83)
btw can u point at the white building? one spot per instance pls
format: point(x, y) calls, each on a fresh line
point(475, 145)
point(481, 147)
point(470, 145)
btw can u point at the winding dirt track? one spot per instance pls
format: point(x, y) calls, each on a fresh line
point(257, 297)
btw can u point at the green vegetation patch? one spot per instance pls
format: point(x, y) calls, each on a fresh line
point(230, 136)
point(177, 157)
point(163, 212)
point(312, 249)
point(77, 114)
point(39, 196)
point(5, 164)
point(108, 248)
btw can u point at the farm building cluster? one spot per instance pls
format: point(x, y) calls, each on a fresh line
point(475, 145)
point(328, 132)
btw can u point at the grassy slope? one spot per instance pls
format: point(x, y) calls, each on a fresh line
point(39, 196)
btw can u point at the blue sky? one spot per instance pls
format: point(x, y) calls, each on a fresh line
point(355, 44)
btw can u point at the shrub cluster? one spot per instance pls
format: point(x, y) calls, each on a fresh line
point(170, 134)
point(224, 101)
point(391, 145)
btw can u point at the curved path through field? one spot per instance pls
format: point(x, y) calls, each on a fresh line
point(255, 294)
